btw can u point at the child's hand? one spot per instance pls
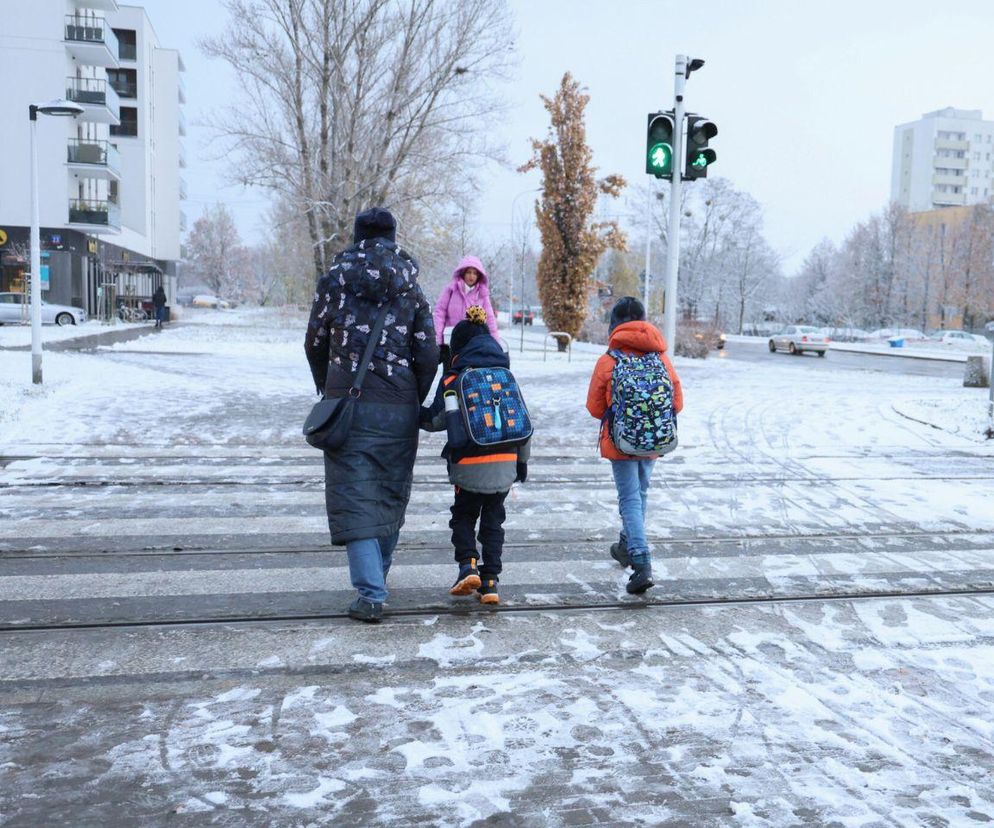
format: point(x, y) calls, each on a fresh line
point(522, 473)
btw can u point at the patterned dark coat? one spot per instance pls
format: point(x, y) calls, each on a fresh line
point(368, 480)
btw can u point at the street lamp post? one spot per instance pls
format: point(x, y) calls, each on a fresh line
point(510, 293)
point(57, 108)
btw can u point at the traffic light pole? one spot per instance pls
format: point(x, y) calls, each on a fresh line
point(673, 234)
point(648, 252)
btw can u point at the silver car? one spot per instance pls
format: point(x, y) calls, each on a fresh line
point(14, 310)
point(797, 339)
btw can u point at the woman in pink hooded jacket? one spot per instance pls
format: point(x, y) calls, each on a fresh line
point(468, 287)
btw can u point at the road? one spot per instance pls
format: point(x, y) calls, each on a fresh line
point(174, 649)
point(758, 351)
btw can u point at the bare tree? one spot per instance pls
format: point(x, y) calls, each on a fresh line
point(351, 103)
point(214, 250)
point(571, 242)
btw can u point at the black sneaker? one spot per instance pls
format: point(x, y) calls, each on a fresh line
point(488, 591)
point(640, 580)
point(619, 551)
point(362, 610)
point(468, 579)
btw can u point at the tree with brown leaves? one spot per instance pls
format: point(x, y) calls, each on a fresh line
point(571, 242)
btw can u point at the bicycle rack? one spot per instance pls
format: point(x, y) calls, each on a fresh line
point(569, 344)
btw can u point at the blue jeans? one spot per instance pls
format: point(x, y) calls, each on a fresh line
point(631, 479)
point(369, 563)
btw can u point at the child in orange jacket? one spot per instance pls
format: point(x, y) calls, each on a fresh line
point(631, 334)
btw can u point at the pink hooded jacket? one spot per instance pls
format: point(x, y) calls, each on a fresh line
point(453, 301)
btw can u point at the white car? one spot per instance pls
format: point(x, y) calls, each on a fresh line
point(898, 333)
point(962, 339)
point(796, 339)
point(205, 300)
point(13, 311)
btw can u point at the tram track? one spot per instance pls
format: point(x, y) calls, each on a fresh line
point(478, 611)
point(415, 545)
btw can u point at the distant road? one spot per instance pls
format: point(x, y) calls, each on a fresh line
point(758, 352)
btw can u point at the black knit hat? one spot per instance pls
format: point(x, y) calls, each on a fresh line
point(626, 309)
point(475, 324)
point(374, 223)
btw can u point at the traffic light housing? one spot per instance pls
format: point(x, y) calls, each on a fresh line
point(699, 156)
point(659, 144)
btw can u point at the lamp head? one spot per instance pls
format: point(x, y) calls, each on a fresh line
point(58, 107)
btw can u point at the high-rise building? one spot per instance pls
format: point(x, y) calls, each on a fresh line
point(944, 159)
point(109, 180)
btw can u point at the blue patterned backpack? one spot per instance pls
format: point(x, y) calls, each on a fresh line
point(642, 421)
point(492, 407)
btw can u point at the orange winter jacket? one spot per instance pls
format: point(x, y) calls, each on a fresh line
point(632, 338)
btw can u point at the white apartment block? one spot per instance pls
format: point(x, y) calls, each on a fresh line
point(109, 181)
point(944, 159)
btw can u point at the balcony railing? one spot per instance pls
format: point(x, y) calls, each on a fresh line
point(182, 188)
point(96, 93)
point(100, 213)
point(127, 129)
point(182, 122)
point(95, 152)
point(83, 29)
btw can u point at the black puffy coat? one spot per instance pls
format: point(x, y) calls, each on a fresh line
point(368, 480)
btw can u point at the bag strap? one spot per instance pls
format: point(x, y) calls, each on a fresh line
point(367, 355)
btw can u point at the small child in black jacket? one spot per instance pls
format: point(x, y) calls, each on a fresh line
point(482, 476)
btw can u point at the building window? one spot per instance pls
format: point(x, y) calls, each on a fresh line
point(976, 156)
point(973, 191)
point(124, 82)
point(129, 123)
point(127, 44)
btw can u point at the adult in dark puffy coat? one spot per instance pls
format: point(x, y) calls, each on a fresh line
point(368, 480)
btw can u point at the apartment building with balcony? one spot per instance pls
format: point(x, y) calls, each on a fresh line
point(944, 159)
point(110, 186)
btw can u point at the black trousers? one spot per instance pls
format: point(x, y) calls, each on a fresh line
point(467, 508)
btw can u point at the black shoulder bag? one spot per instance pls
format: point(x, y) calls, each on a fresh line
point(328, 425)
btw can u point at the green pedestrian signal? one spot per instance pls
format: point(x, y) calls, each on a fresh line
point(661, 158)
point(699, 155)
point(659, 144)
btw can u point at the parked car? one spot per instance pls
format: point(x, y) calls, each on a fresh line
point(899, 333)
point(205, 300)
point(523, 316)
point(796, 339)
point(12, 311)
point(962, 339)
point(846, 334)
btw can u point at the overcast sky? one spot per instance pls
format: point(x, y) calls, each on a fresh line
point(805, 95)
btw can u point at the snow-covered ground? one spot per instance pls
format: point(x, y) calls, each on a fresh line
point(14, 336)
point(862, 713)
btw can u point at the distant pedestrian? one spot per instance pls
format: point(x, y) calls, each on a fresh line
point(468, 286)
point(159, 301)
point(368, 480)
point(482, 476)
point(640, 349)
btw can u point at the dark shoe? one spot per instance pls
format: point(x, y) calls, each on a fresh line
point(362, 610)
point(640, 580)
point(619, 551)
point(488, 591)
point(468, 580)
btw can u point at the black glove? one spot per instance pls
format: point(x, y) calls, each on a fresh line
point(444, 356)
point(522, 473)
